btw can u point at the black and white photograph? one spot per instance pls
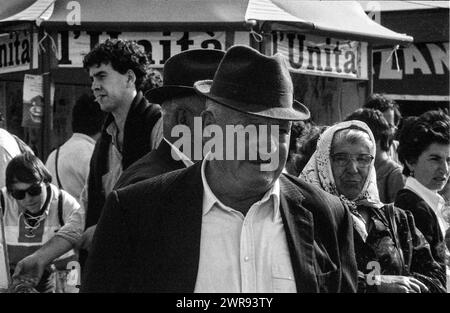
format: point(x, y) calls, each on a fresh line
point(224, 152)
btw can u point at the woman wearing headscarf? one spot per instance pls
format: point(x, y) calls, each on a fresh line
point(392, 255)
point(424, 151)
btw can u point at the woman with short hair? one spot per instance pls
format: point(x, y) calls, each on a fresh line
point(424, 151)
point(41, 222)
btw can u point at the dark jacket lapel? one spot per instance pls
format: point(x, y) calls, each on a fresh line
point(299, 228)
point(183, 214)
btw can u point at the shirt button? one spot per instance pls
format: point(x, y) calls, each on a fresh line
point(246, 259)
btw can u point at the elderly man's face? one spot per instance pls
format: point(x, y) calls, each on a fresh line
point(271, 145)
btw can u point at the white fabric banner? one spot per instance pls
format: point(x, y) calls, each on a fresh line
point(322, 56)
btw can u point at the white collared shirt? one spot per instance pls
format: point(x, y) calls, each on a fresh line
point(432, 198)
point(115, 153)
point(243, 253)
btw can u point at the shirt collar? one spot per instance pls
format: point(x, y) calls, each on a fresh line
point(210, 199)
point(181, 156)
point(83, 136)
point(113, 130)
point(432, 198)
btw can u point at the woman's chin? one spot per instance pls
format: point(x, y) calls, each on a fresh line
point(32, 208)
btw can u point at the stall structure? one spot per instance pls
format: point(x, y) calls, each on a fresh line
point(416, 76)
point(327, 46)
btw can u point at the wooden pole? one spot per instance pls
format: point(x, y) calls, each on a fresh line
point(48, 62)
point(369, 71)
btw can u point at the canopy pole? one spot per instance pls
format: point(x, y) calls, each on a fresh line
point(369, 71)
point(48, 63)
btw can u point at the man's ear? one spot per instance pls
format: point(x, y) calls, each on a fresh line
point(410, 165)
point(181, 116)
point(131, 78)
point(208, 118)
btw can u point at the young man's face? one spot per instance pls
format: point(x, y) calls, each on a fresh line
point(110, 88)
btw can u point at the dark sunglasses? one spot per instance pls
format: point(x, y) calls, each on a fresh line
point(33, 190)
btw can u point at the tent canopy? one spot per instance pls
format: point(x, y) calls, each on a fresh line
point(387, 5)
point(24, 10)
point(344, 19)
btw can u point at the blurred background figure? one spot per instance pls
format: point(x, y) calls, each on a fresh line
point(304, 136)
point(424, 151)
point(307, 145)
point(298, 130)
point(9, 148)
point(391, 113)
point(445, 193)
point(69, 163)
point(389, 173)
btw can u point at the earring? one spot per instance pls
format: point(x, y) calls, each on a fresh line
point(411, 173)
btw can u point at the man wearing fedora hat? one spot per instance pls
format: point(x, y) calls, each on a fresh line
point(180, 104)
point(228, 224)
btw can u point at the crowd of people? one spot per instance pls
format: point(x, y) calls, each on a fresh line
point(151, 194)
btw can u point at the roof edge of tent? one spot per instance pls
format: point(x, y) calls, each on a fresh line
point(378, 40)
point(146, 26)
point(11, 26)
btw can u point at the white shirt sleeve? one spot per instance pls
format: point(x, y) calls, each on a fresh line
point(74, 219)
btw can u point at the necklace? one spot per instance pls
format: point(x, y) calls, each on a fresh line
point(32, 223)
point(353, 208)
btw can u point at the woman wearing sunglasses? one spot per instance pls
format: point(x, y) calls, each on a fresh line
point(33, 222)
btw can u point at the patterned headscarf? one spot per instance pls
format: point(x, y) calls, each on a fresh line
point(318, 172)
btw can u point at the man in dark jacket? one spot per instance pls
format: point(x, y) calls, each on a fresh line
point(132, 128)
point(181, 105)
point(233, 222)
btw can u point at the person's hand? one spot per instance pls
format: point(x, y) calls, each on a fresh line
point(86, 238)
point(29, 269)
point(400, 284)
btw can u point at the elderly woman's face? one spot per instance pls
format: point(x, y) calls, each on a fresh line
point(432, 166)
point(30, 197)
point(349, 165)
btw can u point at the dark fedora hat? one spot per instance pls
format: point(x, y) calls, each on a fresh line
point(182, 70)
point(250, 82)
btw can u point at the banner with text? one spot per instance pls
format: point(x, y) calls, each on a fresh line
point(417, 72)
point(17, 51)
point(73, 46)
point(322, 56)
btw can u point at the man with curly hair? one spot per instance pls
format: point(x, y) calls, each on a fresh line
point(132, 128)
